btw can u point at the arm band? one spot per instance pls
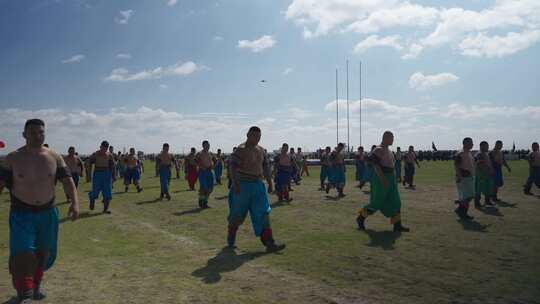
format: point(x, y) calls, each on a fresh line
point(62, 172)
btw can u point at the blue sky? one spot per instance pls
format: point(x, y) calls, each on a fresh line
point(143, 72)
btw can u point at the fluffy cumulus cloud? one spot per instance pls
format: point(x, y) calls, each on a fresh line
point(123, 56)
point(74, 59)
point(124, 16)
point(172, 2)
point(258, 45)
point(503, 28)
point(416, 124)
point(178, 69)
point(287, 71)
point(421, 82)
point(375, 41)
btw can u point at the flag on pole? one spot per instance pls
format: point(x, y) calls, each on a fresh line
point(2, 144)
point(433, 147)
point(514, 147)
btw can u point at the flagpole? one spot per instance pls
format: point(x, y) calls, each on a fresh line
point(348, 140)
point(337, 110)
point(360, 101)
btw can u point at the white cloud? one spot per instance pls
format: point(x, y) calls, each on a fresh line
point(124, 17)
point(172, 2)
point(74, 59)
point(178, 69)
point(421, 82)
point(369, 104)
point(258, 45)
point(375, 41)
point(499, 25)
point(498, 46)
point(287, 71)
point(218, 38)
point(401, 15)
point(412, 124)
point(123, 56)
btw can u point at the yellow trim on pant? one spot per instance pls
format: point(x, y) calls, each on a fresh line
point(363, 213)
point(396, 218)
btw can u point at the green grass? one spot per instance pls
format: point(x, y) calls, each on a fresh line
point(149, 251)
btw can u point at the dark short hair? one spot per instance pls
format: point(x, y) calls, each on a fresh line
point(341, 145)
point(255, 129)
point(466, 139)
point(205, 142)
point(483, 143)
point(165, 144)
point(498, 142)
point(285, 144)
point(71, 148)
point(104, 144)
point(34, 122)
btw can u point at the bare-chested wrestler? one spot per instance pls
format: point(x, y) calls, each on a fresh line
point(102, 177)
point(30, 173)
point(249, 165)
point(205, 162)
point(164, 162)
point(75, 166)
point(133, 170)
point(191, 171)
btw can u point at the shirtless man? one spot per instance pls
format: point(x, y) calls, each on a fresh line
point(283, 171)
point(484, 176)
point(205, 162)
point(190, 166)
point(410, 161)
point(164, 162)
point(325, 167)
point(218, 169)
point(497, 162)
point(465, 171)
point(384, 195)
point(534, 170)
point(75, 165)
point(102, 177)
point(399, 158)
point(30, 173)
point(115, 159)
point(360, 161)
point(133, 170)
point(338, 170)
point(249, 165)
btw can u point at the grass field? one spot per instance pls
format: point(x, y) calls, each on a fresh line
point(151, 251)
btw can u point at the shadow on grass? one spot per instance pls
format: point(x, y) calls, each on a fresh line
point(13, 300)
point(332, 198)
point(152, 201)
point(82, 216)
point(506, 204)
point(383, 239)
point(225, 261)
point(473, 225)
point(490, 211)
point(220, 198)
point(191, 211)
point(279, 204)
point(185, 190)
